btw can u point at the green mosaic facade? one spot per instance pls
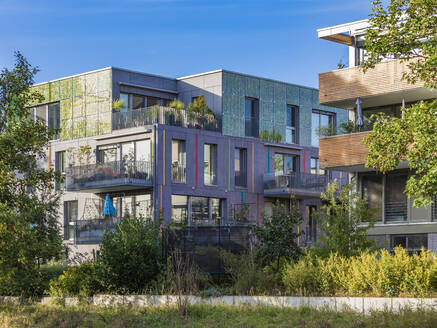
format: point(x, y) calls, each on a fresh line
point(273, 98)
point(85, 103)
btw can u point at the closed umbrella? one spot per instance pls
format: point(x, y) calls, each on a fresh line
point(359, 121)
point(108, 209)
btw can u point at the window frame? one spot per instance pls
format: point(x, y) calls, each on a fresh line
point(213, 167)
point(317, 168)
point(68, 223)
point(332, 118)
point(243, 167)
point(253, 119)
point(294, 127)
point(182, 161)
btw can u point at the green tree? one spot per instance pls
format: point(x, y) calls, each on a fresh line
point(407, 30)
point(130, 257)
point(29, 232)
point(278, 235)
point(344, 221)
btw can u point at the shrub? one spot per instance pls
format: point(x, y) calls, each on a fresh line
point(248, 277)
point(367, 274)
point(130, 256)
point(77, 280)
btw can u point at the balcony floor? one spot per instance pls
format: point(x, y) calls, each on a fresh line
point(114, 185)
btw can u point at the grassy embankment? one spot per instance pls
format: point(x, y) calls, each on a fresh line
point(204, 316)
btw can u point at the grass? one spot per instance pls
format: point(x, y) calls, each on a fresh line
point(13, 315)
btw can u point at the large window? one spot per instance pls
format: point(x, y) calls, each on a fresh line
point(210, 164)
point(128, 151)
point(178, 158)
point(285, 164)
point(371, 188)
point(315, 167)
point(70, 217)
point(240, 167)
point(133, 205)
point(291, 124)
point(60, 166)
point(134, 101)
point(410, 242)
point(251, 116)
point(50, 114)
point(205, 210)
point(322, 124)
point(395, 200)
point(179, 209)
point(311, 213)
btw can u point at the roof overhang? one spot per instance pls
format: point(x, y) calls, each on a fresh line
point(344, 33)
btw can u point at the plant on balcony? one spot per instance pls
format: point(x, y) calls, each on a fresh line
point(350, 127)
point(198, 112)
point(178, 107)
point(326, 131)
point(118, 104)
point(273, 136)
point(406, 30)
point(84, 154)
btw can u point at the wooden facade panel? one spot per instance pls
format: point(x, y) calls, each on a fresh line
point(343, 150)
point(350, 83)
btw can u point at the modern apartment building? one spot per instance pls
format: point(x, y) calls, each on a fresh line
point(378, 90)
point(192, 168)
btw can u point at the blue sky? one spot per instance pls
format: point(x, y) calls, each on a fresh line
point(271, 38)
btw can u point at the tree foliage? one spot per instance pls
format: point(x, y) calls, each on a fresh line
point(199, 106)
point(278, 235)
point(407, 30)
point(29, 232)
point(130, 256)
point(344, 221)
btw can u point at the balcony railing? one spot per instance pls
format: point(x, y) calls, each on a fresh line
point(91, 231)
point(298, 183)
point(178, 173)
point(164, 115)
point(111, 174)
point(395, 211)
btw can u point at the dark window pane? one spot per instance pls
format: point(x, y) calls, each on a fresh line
point(395, 204)
point(137, 101)
point(371, 187)
point(152, 101)
point(240, 167)
point(416, 242)
point(54, 120)
point(399, 241)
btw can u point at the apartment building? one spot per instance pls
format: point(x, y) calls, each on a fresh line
point(378, 90)
point(194, 169)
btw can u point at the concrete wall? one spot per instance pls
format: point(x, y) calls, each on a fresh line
point(208, 85)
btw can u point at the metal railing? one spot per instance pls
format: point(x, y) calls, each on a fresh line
point(395, 211)
point(91, 231)
point(178, 173)
point(167, 116)
point(299, 180)
point(109, 174)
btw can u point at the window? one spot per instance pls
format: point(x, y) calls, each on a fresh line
point(322, 124)
point(240, 167)
point(60, 167)
point(251, 117)
point(205, 210)
point(128, 151)
point(138, 205)
point(285, 164)
point(153, 101)
point(210, 164)
point(360, 50)
point(54, 119)
point(315, 168)
point(138, 101)
point(410, 242)
point(126, 104)
point(110, 153)
point(70, 217)
point(371, 188)
point(311, 212)
point(50, 115)
point(143, 151)
point(291, 132)
point(179, 209)
point(396, 201)
point(178, 157)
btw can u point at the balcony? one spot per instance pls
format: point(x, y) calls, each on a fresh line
point(112, 176)
point(178, 173)
point(91, 231)
point(302, 185)
point(382, 85)
point(164, 115)
point(344, 152)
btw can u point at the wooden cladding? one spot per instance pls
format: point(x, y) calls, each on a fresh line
point(350, 83)
point(343, 150)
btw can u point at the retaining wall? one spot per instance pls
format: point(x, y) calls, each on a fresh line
point(358, 304)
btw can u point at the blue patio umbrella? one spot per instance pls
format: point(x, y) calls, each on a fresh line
point(108, 209)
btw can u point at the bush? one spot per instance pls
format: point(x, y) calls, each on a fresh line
point(368, 274)
point(131, 257)
point(248, 277)
point(77, 280)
